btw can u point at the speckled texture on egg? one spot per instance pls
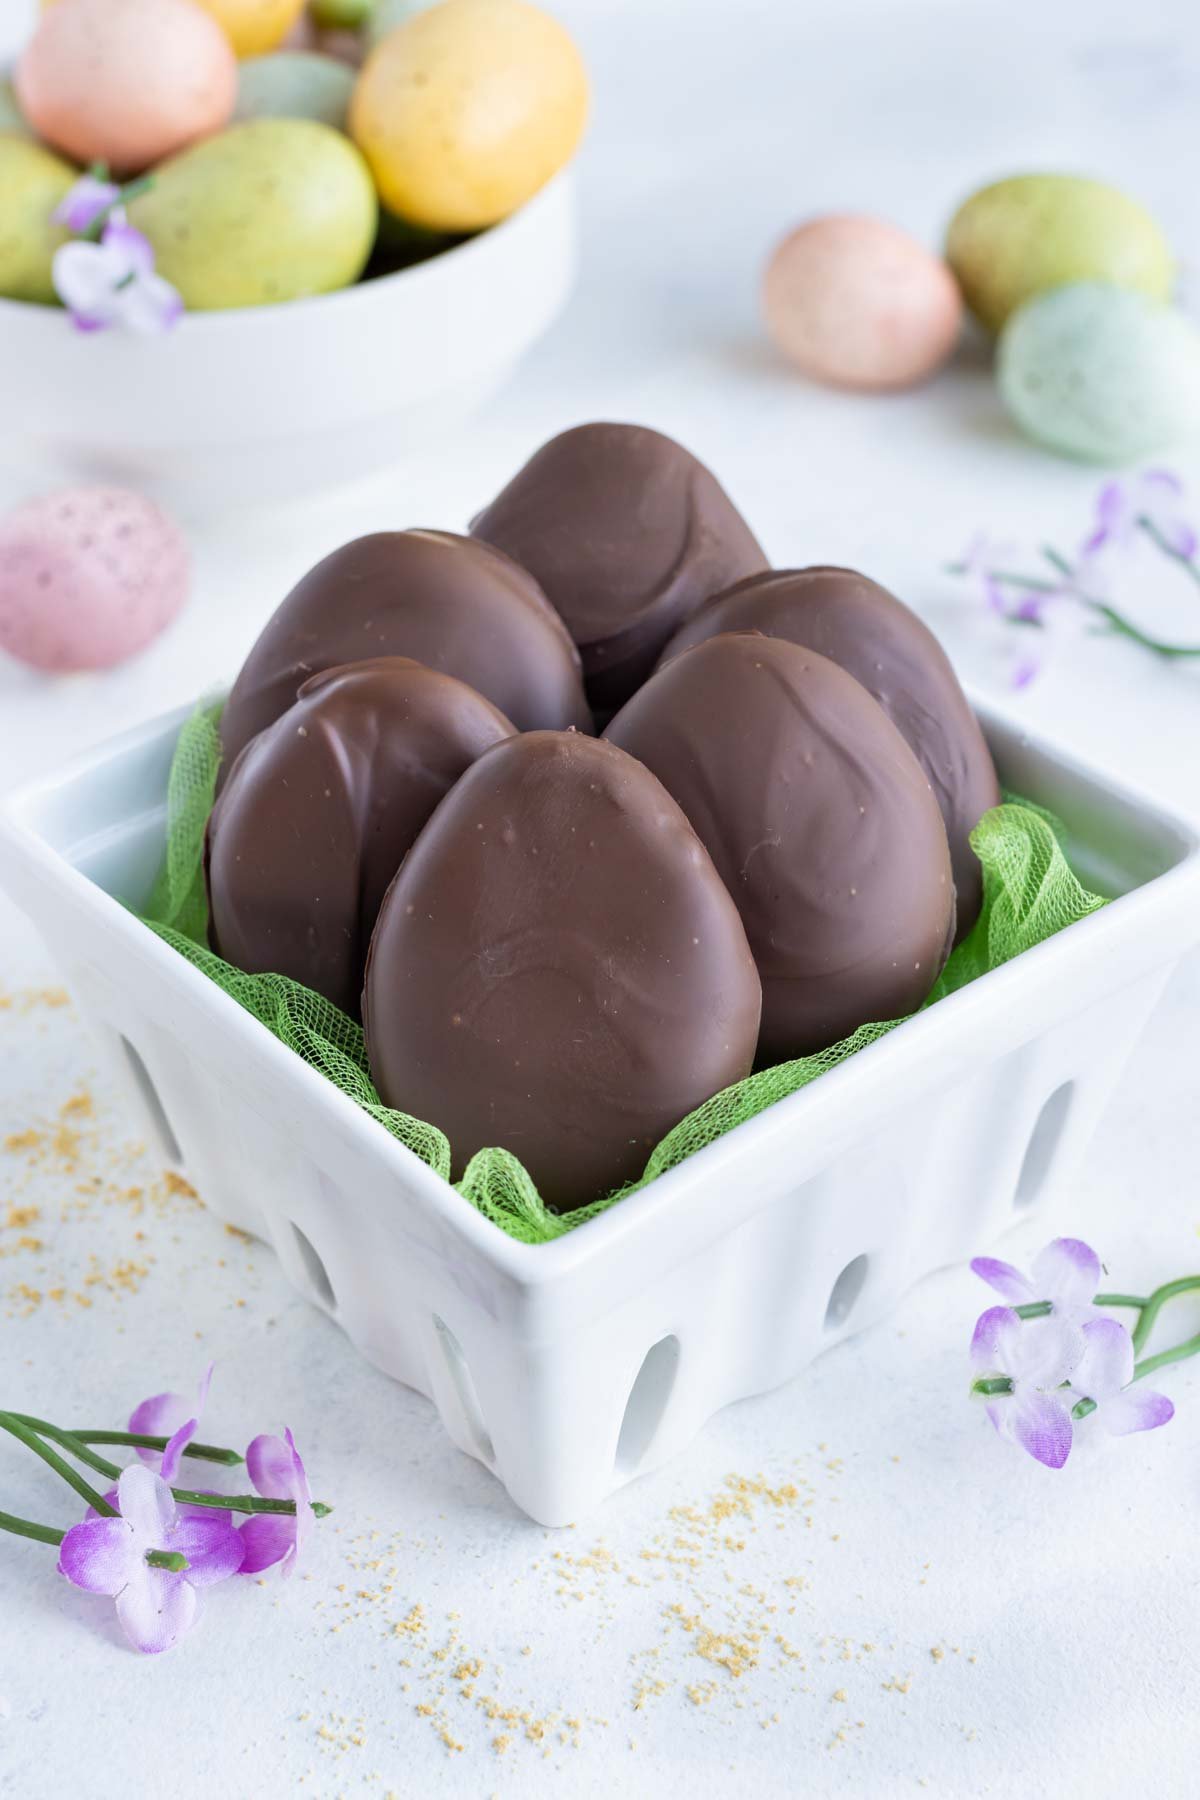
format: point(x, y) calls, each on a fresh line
point(1100, 373)
point(466, 110)
point(271, 210)
point(32, 183)
point(125, 82)
point(88, 577)
point(857, 303)
point(294, 84)
point(1019, 237)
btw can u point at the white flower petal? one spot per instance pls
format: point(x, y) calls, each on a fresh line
point(147, 1504)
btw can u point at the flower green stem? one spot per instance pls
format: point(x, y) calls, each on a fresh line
point(138, 1440)
point(992, 1384)
point(168, 1559)
point(1038, 1309)
point(1160, 543)
point(246, 1503)
point(42, 1534)
point(1180, 1353)
point(1170, 1290)
point(18, 1429)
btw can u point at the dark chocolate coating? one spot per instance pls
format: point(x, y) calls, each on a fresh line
point(820, 821)
point(628, 534)
point(557, 969)
point(321, 808)
point(446, 601)
point(877, 639)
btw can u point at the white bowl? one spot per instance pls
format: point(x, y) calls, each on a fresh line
point(570, 1367)
point(266, 403)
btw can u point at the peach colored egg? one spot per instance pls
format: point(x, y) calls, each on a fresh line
point(88, 577)
point(857, 303)
point(126, 82)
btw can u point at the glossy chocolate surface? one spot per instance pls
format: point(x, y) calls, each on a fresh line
point(820, 821)
point(876, 638)
point(449, 602)
point(628, 534)
point(557, 969)
point(320, 810)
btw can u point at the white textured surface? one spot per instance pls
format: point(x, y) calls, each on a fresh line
point(1075, 1594)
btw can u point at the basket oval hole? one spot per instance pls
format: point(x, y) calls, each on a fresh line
point(1043, 1145)
point(647, 1403)
point(464, 1388)
point(315, 1271)
point(159, 1122)
point(843, 1295)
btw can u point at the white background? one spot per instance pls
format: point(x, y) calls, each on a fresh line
point(1063, 1606)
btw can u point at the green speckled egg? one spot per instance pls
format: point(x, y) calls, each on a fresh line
point(294, 84)
point(12, 119)
point(1101, 373)
point(1019, 237)
point(270, 210)
point(32, 183)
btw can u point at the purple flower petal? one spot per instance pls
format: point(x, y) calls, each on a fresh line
point(1067, 1271)
point(83, 204)
point(1137, 1409)
point(993, 1340)
point(155, 1609)
point(132, 245)
point(1004, 1278)
point(1162, 481)
point(1025, 670)
point(1107, 1363)
point(148, 1504)
point(271, 1468)
point(1041, 1424)
point(267, 1538)
point(159, 1416)
point(305, 1516)
point(177, 1444)
point(213, 1546)
point(99, 1555)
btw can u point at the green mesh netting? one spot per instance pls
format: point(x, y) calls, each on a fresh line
point(1029, 890)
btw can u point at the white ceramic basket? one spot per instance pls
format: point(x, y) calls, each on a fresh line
point(268, 402)
point(571, 1367)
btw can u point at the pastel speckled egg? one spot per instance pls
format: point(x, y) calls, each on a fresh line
point(254, 26)
point(385, 15)
point(1101, 373)
point(271, 210)
point(466, 110)
point(857, 303)
point(125, 82)
point(294, 84)
point(1019, 237)
point(88, 577)
point(32, 183)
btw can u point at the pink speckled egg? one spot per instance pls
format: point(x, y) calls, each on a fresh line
point(126, 82)
point(88, 577)
point(857, 303)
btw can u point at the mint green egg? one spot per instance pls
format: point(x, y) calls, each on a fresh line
point(1019, 237)
point(269, 210)
point(1101, 373)
point(12, 119)
point(294, 84)
point(387, 14)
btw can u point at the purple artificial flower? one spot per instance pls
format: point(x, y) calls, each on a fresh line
point(114, 283)
point(1066, 1273)
point(108, 1556)
point(1152, 495)
point(1104, 1374)
point(83, 204)
point(277, 1474)
point(1037, 1357)
point(981, 556)
point(171, 1416)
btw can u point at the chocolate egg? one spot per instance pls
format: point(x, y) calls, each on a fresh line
point(321, 810)
point(820, 821)
point(446, 601)
point(874, 637)
point(628, 534)
point(557, 969)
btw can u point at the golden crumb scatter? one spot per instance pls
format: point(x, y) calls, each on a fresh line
point(937, 1653)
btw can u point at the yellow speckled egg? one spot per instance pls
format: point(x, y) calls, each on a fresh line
point(271, 210)
point(32, 182)
point(254, 26)
point(857, 303)
point(466, 110)
point(125, 82)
